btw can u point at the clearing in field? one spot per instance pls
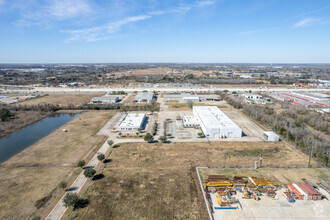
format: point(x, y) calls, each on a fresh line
point(158, 181)
point(34, 174)
point(63, 100)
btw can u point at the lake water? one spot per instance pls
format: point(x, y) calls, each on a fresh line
point(18, 141)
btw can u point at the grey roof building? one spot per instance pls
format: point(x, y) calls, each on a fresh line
point(144, 96)
point(105, 99)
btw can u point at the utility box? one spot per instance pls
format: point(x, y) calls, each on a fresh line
point(270, 136)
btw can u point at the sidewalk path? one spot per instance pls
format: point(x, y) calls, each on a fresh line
point(59, 210)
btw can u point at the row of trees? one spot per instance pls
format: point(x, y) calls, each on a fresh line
point(288, 125)
point(72, 199)
point(5, 114)
point(148, 107)
point(291, 123)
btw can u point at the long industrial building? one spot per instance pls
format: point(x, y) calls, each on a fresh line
point(132, 122)
point(189, 97)
point(215, 124)
point(144, 97)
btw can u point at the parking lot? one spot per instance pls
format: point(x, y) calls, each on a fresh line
point(174, 126)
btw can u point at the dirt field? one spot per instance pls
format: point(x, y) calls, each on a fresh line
point(158, 181)
point(36, 172)
point(61, 100)
point(180, 106)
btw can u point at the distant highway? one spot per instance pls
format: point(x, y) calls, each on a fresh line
point(23, 89)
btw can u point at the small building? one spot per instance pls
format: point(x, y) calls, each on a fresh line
point(105, 99)
point(252, 96)
point(215, 124)
point(191, 121)
point(270, 136)
point(144, 97)
point(132, 122)
point(304, 191)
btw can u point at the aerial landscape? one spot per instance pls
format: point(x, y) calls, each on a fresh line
point(176, 109)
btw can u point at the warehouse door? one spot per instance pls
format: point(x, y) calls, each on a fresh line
point(230, 134)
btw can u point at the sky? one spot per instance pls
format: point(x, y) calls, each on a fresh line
point(152, 31)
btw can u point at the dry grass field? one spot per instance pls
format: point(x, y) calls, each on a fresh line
point(20, 120)
point(61, 99)
point(158, 181)
point(35, 173)
point(180, 106)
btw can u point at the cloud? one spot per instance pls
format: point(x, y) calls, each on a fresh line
point(206, 2)
point(102, 32)
point(248, 32)
point(256, 31)
point(182, 9)
point(68, 8)
point(48, 13)
point(308, 22)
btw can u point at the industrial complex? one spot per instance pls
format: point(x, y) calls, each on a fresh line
point(144, 97)
point(185, 97)
point(105, 99)
point(215, 124)
point(310, 100)
point(132, 122)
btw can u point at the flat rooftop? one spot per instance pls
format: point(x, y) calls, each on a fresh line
point(132, 120)
point(211, 96)
point(191, 119)
point(144, 96)
point(213, 117)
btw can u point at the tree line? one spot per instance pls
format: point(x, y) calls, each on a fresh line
point(292, 122)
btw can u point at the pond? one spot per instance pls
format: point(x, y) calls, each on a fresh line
point(19, 140)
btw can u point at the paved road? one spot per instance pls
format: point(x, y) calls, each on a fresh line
point(161, 119)
point(159, 89)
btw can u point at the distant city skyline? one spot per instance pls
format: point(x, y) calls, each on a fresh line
point(171, 31)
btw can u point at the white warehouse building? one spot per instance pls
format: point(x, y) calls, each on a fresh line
point(252, 96)
point(270, 136)
point(144, 97)
point(132, 122)
point(215, 124)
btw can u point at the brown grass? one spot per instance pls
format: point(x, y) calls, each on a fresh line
point(36, 172)
point(158, 181)
point(61, 99)
point(179, 106)
point(20, 120)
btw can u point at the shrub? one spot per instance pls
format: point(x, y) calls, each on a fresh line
point(89, 172)
point(163, 139)
point(81, 163)
point(63, 185)
point(70, 199)
point(100, 157)
point(148, 137)
point(110, 142)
